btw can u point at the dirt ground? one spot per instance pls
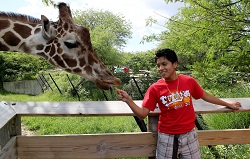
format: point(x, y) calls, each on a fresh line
point(26, 132)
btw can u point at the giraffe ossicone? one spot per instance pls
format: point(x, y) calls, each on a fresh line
point(63, 43)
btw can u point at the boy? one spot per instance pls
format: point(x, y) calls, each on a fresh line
point(173, 93)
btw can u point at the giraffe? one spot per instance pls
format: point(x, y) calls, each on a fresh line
point(63, 43)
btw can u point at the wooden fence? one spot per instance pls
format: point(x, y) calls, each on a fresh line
point(115, 145)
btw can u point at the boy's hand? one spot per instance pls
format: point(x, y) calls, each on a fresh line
point(234, 105)
point(123, 95)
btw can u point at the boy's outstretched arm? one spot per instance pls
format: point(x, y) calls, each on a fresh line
point(212, 99)
point(139, 111)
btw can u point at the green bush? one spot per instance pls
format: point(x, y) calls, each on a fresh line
point(20, 66)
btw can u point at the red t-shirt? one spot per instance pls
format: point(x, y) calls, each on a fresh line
point(174, 99)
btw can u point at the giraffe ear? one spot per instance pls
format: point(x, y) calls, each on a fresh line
point(48, 32)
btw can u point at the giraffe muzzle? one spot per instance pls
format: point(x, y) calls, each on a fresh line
point(107, 84)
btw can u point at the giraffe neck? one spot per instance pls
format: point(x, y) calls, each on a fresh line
point(19, 36)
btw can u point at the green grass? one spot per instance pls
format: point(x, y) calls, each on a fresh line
point(48, 96)
point(80, 125)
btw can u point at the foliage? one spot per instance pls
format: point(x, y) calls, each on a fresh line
point(109, 33)
point(16, 66)
point(208, 36)
point(215, 76)
point(142, 61)
point(67, 84)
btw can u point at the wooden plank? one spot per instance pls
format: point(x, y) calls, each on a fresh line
point(87, 146)
point(92, 108)
point(224, 137)
point(202, 107)
point(113, 145)
point(111, 108)
point(6, 113)
point(9, 150)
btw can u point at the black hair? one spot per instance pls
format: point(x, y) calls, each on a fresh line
point(168, 54)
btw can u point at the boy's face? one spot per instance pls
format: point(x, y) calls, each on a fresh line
point(166, 69)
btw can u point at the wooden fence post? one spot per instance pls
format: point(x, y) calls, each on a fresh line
point(9, 130)
point(10, 126)
point(153, 127)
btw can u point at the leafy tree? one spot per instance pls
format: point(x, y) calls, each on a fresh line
point(142, 61)
point(211, 37)
point(109, 33)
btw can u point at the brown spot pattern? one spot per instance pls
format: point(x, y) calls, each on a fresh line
point(39, 47)
point(53, 49)
point(82, 62)
point(88, 69)
point(85, 36)
point(69, 61)
point(77, 70)
point(3, 47)
point(66, 26)
point(59, 61)
point(24, 31)
point(59, 50)
point(47, 49)
point(91, 59)
point(11, 39)
point(4, 24)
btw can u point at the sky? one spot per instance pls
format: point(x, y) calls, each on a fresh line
point(135, 11)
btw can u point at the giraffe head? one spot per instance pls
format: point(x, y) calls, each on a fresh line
point(63, 43)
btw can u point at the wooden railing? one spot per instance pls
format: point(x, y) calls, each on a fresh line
point(116, 145)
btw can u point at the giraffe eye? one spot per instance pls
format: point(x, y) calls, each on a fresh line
point(71, 45)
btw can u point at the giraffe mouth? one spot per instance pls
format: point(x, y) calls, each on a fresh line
point(107, 84)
